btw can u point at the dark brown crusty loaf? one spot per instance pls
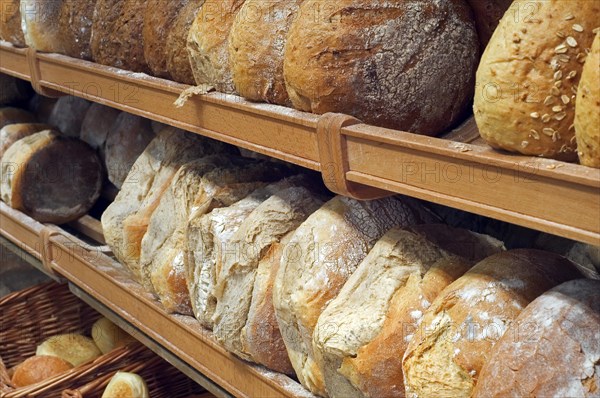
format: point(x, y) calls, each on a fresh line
point(256, 49)
point(159, 17)
point(97, 125)
point(551, 350)
point(9, 115)
point(528, 77)
point(117, 38)
point(408, 65)
point(178, 59)
point(10, 22)
point(68, 114)
point(51, 178)
point(14, 91)
point(460, 329)
point(14, 132)
point(75, 27)
point(488, 14)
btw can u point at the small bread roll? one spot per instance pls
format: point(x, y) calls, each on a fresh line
point(109, 336)
point(126, 385)
point(73, 348)
point(39, 368)
point(587, 110)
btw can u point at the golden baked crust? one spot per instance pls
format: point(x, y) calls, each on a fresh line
point(528, 77)
point(38, 368)
point(408, 65)
point(587, 110)
point(10, 22)
point(178, 59)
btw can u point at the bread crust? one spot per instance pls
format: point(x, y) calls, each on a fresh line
point(14, 132)
point(38, 368)
point(10, 22)
point(488, 14)
point(75, 27)
point(9, 115)
point(178, 59)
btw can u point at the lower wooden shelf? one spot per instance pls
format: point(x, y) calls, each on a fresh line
point(103, 282)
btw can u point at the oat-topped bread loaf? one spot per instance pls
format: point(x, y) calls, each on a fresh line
point(14, 132)
point(125, 221)
point(542, 54)
point(39, 170)
point(10, 22)
point(380, 307)
point(552, 348)
point(459, 330)
point(587, 110)
point(268, 224)
point(117, 38)
point(75, 27)
point(178, 59)
point(488, 14)
point(256, 49)
point(207, 43)
point(330, 245)
point(159, 17)
point(68, 114)
point(9, 115)
point(408, 65)
point(125, 142)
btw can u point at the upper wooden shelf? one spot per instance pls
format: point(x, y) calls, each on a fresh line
point(456, 170)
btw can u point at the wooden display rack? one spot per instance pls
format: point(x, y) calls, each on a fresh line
point(456, 170)
point(105, 285)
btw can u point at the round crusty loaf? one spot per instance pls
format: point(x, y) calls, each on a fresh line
point(42, 107)
point(14, 132)
point(551, 350)
point(528, 77)
point(73, 348)
point(15, 115)
point(68, 114)
point(10, 22)
point(488, 14)
point(207, 44)
point(159, 17)
point(39, 368)
point(39, 21)
point(178, 59)
point(96, 126)
point(75, 27)
point(408, 65)
point(127, 139)
point(587, 110)
point(108, 336)
point(126, 385)
point(14, 90)
point(256, 49)
point(458, 332)
point(39, 170)
point(117, 38)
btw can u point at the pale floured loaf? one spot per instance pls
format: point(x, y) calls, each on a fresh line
point(126, 385)
point(528, 76)
point(14, 132)
point(329, 246)
point(73, 348)
point(207, 43)
point(587, 110)
point(256, 49)
point(552, 348)
point(107, 336)
point(460, 329)
point(408, 65)
point(265, 226)
point(10, 22)
point(380, 307)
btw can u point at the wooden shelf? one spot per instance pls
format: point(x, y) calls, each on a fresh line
point(456, 170)
point(107, 286)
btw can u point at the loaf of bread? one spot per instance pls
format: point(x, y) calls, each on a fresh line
point(126, 385)
point(587, 111)
point(159, 17)
point(39, 368)
point(330, 244)
point(208, 236)
point(117, 38)
point(38, 171)
point(381, 305)
point(266, 225)
point(459, 330)
point(207, 44)
point(528, 76)
point(125, 142)
point(73, 348)
point(10, 22)
point(14, 91)
point(75, 27)
point(40, 24)
point(14, 132)
point(96, 126)
point(551, 350)
point(125, 221)
point(256, 49)
point(42, 107)
point(199, 186)
point(408, 65)
point(68, 114)
point(15, 115)
point(178, 59)
point(107, 336)
point(488, 14)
